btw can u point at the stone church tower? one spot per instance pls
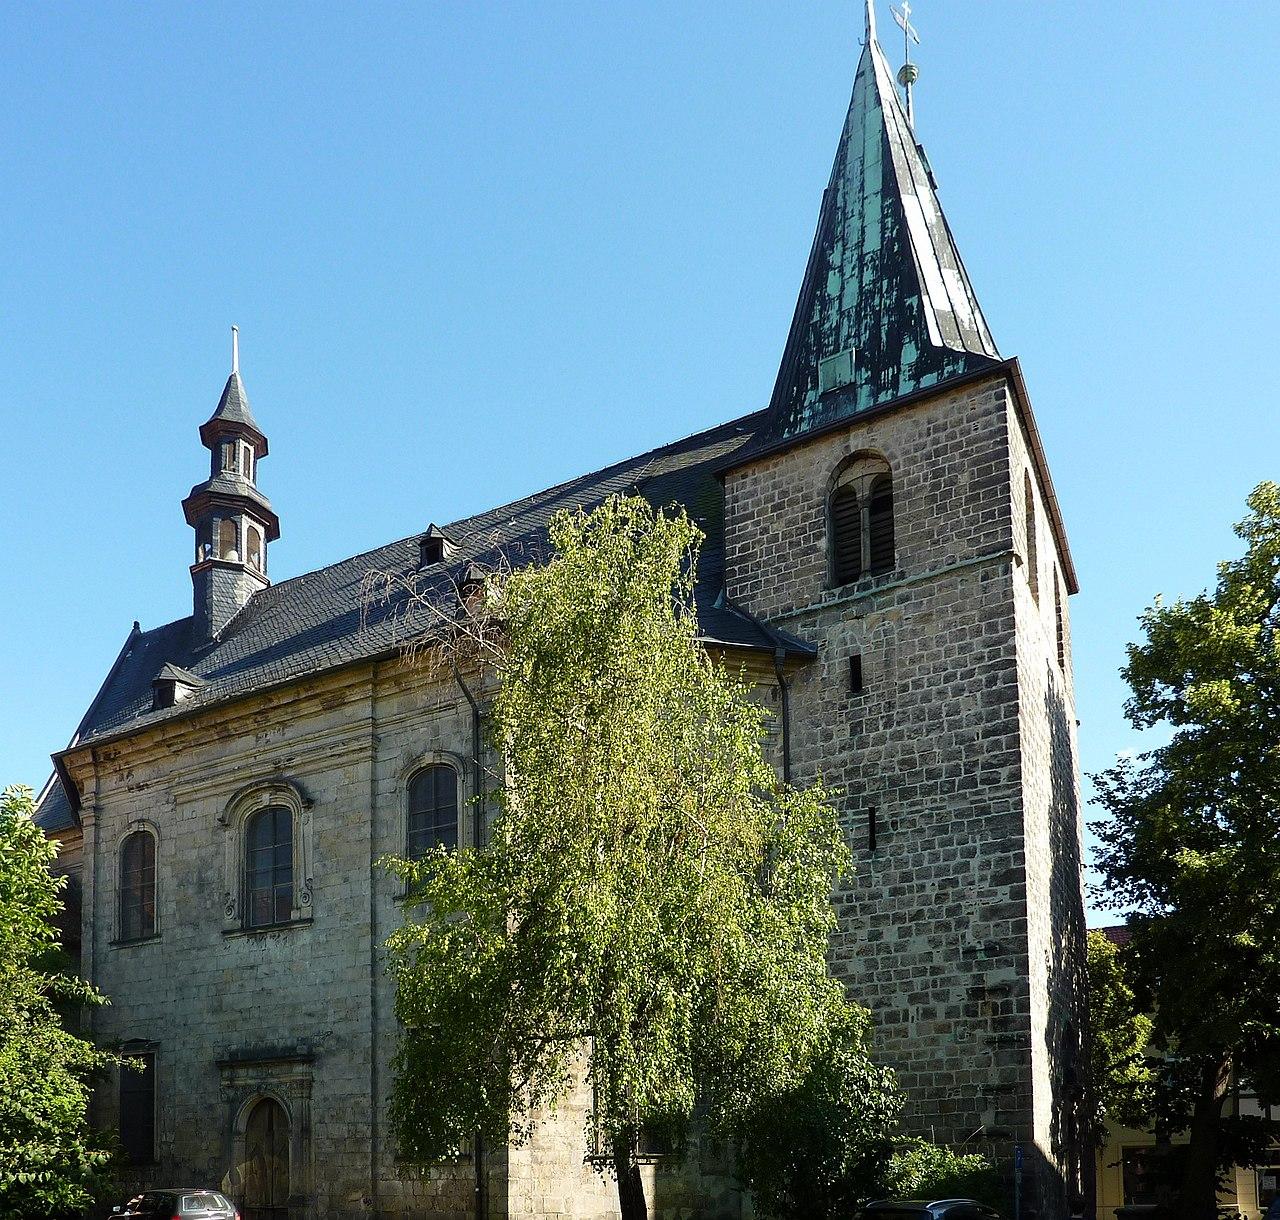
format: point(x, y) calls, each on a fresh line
point(885, 555)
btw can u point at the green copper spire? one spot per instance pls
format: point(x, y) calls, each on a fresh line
point(886, 308)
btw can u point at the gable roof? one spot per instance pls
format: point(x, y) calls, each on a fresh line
point(322, 620)
point(886, 308)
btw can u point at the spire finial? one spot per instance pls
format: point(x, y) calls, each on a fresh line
point(871, 21)
point(235, 349)
point(908, 74)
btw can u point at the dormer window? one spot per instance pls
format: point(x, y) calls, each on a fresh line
point(435, 546)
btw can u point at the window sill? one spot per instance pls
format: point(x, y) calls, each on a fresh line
point(135, 940)
point(267, 928)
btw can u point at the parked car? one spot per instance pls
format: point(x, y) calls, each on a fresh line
point(178, 1203)
point(922, 1209)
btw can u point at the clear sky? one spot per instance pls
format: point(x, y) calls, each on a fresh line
point(477, 248)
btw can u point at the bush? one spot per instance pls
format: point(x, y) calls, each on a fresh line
point(920, 1170)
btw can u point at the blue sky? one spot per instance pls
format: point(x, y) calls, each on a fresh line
point(477, 248)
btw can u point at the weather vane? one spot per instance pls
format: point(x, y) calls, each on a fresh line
point(908, 74)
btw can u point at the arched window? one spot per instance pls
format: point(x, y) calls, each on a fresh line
point(432, 819)
point(228, 547)
point(268, 867)
point(253, 547)
point(1033, 557)
point(204, 541)
point(138, 886)
point(860, 521)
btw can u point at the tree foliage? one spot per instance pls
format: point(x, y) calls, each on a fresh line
point(653, 907)
point(1120, 1032)
point(825, 1145)
point(50, 1163)
point(921, 1170)
point(1191, 843)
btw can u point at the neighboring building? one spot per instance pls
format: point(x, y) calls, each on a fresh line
point(1124, 1165)
point(884, 552)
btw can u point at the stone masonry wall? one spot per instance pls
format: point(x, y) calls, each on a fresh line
point(294, 1012)
point(935, 935)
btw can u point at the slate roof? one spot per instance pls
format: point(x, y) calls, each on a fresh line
point(233, 408)
point(53, 809)
point(321, 620)
point(886, 304)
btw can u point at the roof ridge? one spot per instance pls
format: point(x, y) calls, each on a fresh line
point(612, 467)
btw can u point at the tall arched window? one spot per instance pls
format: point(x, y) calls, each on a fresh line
point(1033, 557)
point(268, 865)
point(138, 886)
point(432, 819)
point(860, 521)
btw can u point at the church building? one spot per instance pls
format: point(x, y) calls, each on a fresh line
point(885, 554)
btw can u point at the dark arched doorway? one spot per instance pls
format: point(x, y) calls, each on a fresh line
point(266, 1162)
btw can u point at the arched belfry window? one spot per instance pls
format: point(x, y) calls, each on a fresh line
point(228, 542)
point(860, 524)
point(137, 886)
point(268, 867)
point(253, 547)
point(432, 816)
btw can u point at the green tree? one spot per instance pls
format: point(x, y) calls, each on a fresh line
point(1120, 1072)
point(824, 1145)
point(653, 908)
point(50, 1163)
point(1191, 845)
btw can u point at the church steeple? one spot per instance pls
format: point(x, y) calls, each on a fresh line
point(232, 519)
point(886, 308)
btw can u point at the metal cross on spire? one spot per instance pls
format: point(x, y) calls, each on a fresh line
point(908, 74)
point(235, 349)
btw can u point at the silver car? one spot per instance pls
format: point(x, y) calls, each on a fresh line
point(178, 1203)
point(921, 1209)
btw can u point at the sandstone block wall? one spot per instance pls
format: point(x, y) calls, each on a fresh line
point(945, 763)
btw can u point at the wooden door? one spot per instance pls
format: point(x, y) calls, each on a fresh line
point(266, 1167)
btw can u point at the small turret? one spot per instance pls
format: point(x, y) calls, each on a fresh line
point(232, 519)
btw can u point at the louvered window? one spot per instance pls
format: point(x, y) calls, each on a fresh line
point(1033, 556)
point(880, 526)
point(846, 536)
point(1060, 627)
